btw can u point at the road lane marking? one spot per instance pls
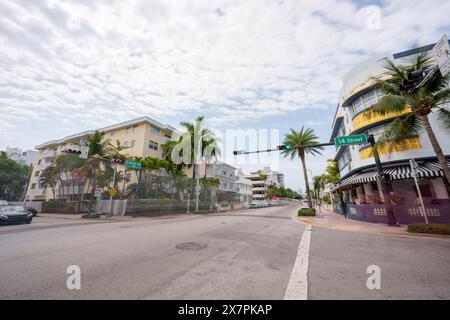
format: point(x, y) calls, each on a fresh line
point(297, 288)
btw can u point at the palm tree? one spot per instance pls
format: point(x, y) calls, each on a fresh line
point(417, 104)
point(205, 136)
point(303, 142)
point(49, 178)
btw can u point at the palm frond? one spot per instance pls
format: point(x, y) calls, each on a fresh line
point(389, 104)
point(398, 130)
point(444, 116)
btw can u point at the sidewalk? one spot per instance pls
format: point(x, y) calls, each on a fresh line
point(335, 221)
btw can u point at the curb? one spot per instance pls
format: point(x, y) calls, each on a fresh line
point(392, 234)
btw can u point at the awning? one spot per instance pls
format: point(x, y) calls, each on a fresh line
point(398, 172)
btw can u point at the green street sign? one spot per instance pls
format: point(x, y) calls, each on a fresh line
point(349, 140)
point(133, 164)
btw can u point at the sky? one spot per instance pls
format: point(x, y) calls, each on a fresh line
point(70, 66)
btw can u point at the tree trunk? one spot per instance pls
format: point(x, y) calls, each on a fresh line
point(305, 174)
point(437, 148)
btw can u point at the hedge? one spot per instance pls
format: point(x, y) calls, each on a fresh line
point(432, 228)
point(306, 212)
point(58, 206)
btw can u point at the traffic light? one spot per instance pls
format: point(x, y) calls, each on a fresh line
point(413, 79)
point(385, 177)
point(285, 147)
point(236, 152)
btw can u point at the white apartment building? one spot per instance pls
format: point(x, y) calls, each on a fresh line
point(358, 191)
point(26, 157)
point(259, 186)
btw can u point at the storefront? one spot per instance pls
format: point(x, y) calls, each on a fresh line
point(359, 197)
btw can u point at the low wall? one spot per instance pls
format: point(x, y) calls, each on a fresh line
point(438, 212)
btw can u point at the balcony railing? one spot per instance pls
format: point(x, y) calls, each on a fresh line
point(38, 192)
point(49, 154)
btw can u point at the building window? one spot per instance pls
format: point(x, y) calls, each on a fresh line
point(36, 174)
point(153, 145)
point(129, 130)
point(39, 162)
point(155, 131)
point(33, 186)
point(126, 144)
point(132, 143)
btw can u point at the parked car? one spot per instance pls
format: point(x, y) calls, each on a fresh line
point(254, 204)
point(14, 214)
point(33, 211)
point(29, 209)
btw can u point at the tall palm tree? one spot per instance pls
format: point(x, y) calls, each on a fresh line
point(205, 136)
point(49, 178)
point(303, 142)
point(418, 104)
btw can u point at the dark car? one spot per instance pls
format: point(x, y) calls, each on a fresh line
point(14, 214)
point(33, 211)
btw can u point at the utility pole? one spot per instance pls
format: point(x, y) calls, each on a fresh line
point(392, 221)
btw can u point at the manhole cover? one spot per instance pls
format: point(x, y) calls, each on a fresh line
point(191, 246)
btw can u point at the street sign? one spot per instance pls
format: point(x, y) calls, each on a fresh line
point(441, 52)
point(349, 140)
point(84, 152)
point(112, 191)
point(133, 164)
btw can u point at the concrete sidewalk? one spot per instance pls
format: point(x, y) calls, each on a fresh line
point(335, 221)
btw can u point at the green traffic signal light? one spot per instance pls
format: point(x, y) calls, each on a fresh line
point(288, 146)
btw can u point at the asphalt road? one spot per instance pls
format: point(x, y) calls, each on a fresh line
point(239, 255)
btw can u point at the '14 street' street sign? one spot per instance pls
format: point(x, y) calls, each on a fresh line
point(349, 140)
point(441, 53)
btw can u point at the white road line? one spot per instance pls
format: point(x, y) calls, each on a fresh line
point(297, 288)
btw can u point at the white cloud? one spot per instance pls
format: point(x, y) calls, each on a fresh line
point(235, 61)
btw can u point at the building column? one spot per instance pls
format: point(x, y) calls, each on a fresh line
point(439, 188)
point(360, 194)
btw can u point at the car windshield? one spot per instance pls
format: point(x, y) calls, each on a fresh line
point(6, 209)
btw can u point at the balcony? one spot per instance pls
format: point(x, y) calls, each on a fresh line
point(38, 192)
point(49, 154)
point(368, 118)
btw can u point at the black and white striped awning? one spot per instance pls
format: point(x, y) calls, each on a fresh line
point(398, 172)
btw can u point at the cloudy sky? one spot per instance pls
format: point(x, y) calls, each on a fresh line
point(69, 66)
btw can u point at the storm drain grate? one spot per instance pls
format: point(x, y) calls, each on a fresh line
point(194, 246)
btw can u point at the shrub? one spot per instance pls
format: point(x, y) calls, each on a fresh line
point(305, 212)
point(91, 216)
point(58, 206)
point(432, 228)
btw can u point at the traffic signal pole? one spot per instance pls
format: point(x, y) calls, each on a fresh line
point(392, 221)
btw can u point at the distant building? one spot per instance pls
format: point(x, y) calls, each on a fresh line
point(244, 189)
point(259, 186)
point(27, 157)
point(143, 137)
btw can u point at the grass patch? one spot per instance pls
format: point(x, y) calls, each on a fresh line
point(432, 228)
point(90, 216)
point(305, 212)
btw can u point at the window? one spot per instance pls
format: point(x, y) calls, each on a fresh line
point(126, 144)
point(39, 162)
point(36, 174)
point(132, 143)
point(153, 145)
point(130, 130)
point(155, 131)
point(33, 186)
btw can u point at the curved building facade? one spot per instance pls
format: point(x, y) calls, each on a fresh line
point(358, 194)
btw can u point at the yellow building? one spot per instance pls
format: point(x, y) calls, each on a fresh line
point(143, 137)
